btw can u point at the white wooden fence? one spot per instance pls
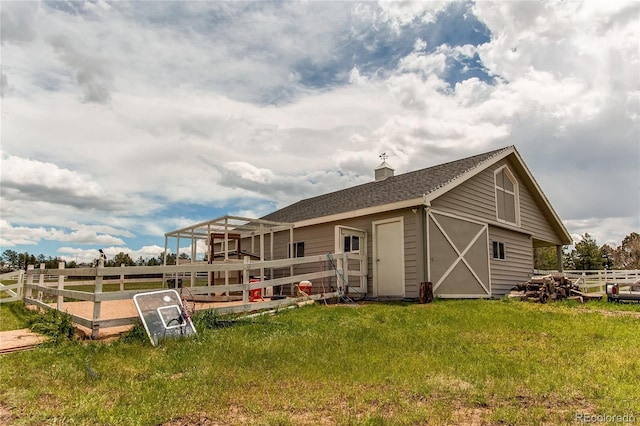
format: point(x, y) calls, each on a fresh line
point(53, 282)
point(596, 280)
point(11, 292)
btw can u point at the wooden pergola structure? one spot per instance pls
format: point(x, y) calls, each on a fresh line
point(224, 237)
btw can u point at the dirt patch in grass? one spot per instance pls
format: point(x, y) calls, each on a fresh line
point(192, 420)
point(5, 415)
point(607, 313)
point(470, 416)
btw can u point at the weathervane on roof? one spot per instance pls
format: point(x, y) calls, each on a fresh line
point(384, 156)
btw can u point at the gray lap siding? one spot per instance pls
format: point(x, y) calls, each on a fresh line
point(516, 267)
point(475, 199)
point(320, 240)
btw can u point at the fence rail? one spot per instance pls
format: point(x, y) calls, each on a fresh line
point(588, 281)
point(11, 292)
point(53, 283)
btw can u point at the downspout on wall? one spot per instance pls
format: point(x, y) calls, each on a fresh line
point(424, 210)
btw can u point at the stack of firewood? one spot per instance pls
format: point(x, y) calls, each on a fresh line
point(546, 288)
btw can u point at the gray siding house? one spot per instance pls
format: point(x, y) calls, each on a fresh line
point(468, 226)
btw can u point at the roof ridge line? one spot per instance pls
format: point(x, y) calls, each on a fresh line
point(458, 176)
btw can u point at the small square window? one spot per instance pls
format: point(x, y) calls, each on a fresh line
point(351, 243)
point(298, 249)
point(498, 250)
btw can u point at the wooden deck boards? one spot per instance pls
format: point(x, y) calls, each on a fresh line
point(19, 340)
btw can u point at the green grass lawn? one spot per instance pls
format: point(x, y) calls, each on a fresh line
point(13, 316)
point(449, 362)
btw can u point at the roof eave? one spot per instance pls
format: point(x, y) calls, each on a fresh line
point(413, 202)
point(566, 238)
point(564, 235)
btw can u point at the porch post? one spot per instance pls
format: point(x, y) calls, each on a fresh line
point(559, 258)
point(164, 261)
point(193, 258)
point(262, 252)
point(245, 279)
point(425, 243)
point(290, 255)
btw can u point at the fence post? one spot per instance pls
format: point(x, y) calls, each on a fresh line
point(95, 324)
point(60, 286)
point(29, 292)
point(245, 280)
point(346, 268)
point(122, 278)
point(599, 280)
point(20, 284)
point(41, 281)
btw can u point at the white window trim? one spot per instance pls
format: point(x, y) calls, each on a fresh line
point(515, 193)
point(340, 232)
point(504, 251)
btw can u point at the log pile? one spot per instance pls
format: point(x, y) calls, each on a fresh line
point(546, 288)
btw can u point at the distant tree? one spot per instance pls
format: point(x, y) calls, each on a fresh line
point(119, 259)
point(52, 262)
point(545, 258)
point(154, 261)
point(586, 255)
point(11, 259)
point(29, 259)
point(608, 255)
point(628, 254)
point(171, 259)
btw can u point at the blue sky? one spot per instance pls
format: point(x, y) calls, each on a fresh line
point(125, 120)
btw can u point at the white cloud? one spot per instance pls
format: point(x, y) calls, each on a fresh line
point(79, 255)
point(611, 231)
point(24, 235)
point(115, 114)
point(19, 173)
point(403, 13)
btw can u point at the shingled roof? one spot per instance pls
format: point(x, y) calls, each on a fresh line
point(393, 189)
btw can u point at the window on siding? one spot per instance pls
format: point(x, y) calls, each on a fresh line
point(298, 249)
point(498, 250)
point(351, 244)
point(507, 202)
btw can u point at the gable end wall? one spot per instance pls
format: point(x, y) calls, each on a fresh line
point(475, 199)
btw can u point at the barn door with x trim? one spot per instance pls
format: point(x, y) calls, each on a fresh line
point(458, 255)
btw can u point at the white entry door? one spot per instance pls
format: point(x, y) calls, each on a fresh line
point(388, 258)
